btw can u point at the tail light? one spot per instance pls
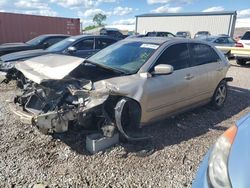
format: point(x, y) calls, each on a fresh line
point(240, 45)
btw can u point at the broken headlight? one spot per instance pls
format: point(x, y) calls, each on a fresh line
point(218, 176)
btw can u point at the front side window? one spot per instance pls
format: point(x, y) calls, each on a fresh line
point(202, 54)
point(176, 55)
point(87, 44)
point(103, 43)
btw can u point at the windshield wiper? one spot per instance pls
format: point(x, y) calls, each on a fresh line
point(105, 67)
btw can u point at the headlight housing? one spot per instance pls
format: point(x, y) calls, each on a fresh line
point(218, 162)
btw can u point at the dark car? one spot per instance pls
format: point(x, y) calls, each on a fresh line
point(80, 46)
point(112, 32)
point(183, 34)
point(202, 34)
point(40, 42)
point(159, 34)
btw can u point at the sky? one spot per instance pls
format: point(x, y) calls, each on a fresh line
point(124, 11)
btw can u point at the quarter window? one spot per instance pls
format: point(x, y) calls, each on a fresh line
point(176, 55)
point(202, 54)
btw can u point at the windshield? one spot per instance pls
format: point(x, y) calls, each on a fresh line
point(36, 41)
point(62, 45)
point(127, 57)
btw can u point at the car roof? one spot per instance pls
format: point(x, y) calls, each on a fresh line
point(156, 40)
point(161, 40)
point(54, 35)
point(76, 37)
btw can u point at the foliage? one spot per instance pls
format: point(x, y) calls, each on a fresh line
point(90, 27)
point(99, 18)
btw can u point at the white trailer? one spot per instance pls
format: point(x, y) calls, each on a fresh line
point(222, 22)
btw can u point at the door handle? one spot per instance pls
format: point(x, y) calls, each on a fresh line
point(189, 77)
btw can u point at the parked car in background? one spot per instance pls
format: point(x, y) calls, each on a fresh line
point(183, 34)
point(112, 32)
point(227, 163)
point(244, 42)
point(159, 34)
point(222, 41)
point(202, 34)
point(40, 42)
point(80, 46)
point(119, 90)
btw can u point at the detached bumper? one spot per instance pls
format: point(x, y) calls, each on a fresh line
point(25, 117)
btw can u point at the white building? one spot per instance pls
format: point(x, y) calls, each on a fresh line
point(214, 22)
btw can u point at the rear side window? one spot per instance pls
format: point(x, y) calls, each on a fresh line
point(176, 55)
point(202, 54)
point(103, 43)
point(246, 36)
point(222, 40)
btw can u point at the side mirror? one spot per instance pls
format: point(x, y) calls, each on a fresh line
point(72, 49)
point(163, 69)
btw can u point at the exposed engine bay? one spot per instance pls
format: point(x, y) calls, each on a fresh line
point(55, 105)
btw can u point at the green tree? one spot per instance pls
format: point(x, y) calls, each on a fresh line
point(99, 18)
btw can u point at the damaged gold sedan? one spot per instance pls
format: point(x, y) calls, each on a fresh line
point(123, 87)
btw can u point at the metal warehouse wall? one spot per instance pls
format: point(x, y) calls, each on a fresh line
point(21, 27)
point(216, 24)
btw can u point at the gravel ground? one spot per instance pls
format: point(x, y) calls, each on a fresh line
point(171, 159)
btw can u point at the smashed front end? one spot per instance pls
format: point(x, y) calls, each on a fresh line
point(53, 105)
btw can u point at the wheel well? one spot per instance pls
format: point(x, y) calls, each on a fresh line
point(133, 107)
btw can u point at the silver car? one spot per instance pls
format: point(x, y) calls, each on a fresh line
point(222, 41)
point(127, 85)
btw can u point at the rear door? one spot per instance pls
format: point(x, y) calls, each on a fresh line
point(206, 68)
point(85, 48)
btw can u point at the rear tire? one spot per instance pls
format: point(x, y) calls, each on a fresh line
point(240, 61)
point(220, 95)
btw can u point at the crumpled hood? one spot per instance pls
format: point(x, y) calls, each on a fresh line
point(48, 67)
point(23, 55)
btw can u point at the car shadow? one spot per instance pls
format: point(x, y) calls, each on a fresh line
point(172, 130)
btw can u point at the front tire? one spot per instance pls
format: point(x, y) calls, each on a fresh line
point(220, 95)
